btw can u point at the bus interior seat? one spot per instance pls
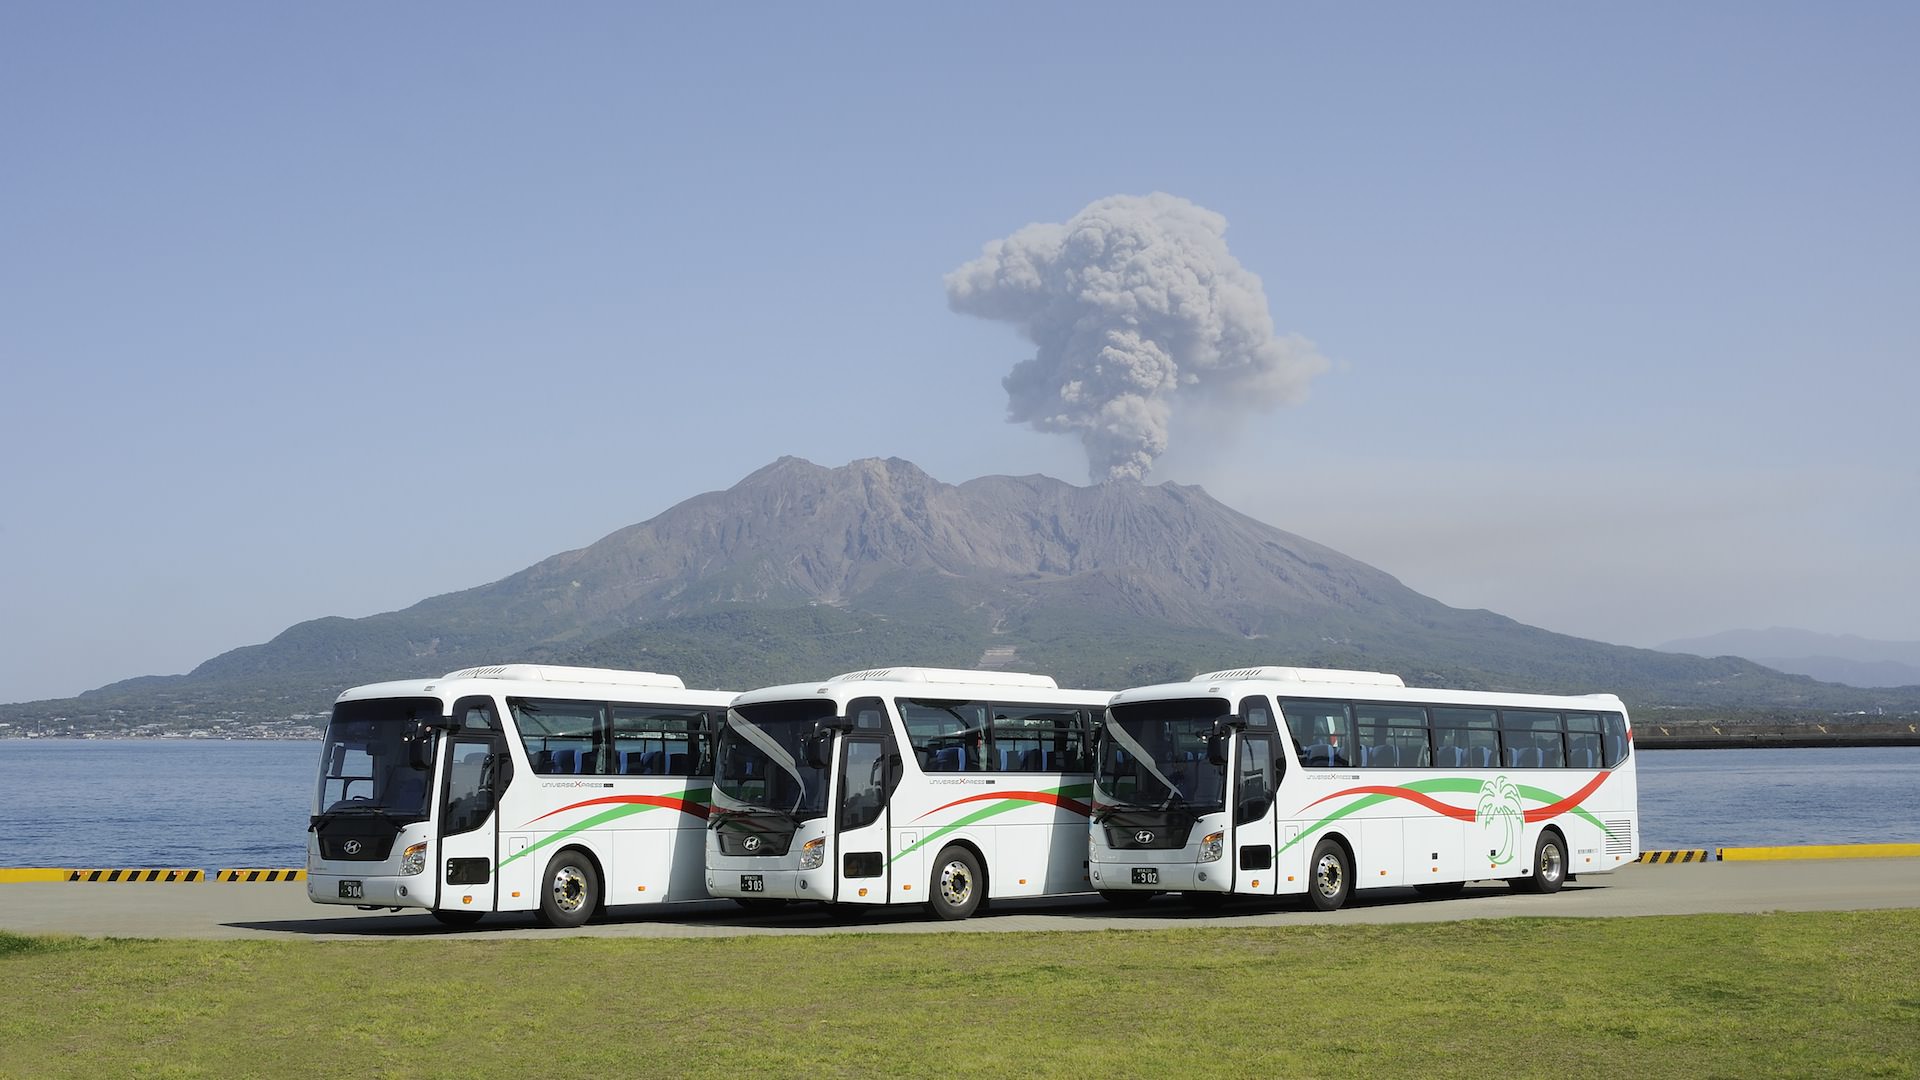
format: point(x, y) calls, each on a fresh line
point(677, 764)
point(566, 761)
point(948, 759)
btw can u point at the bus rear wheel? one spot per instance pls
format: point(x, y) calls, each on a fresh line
point(957, 884)
point(1549, 865)
point(1330, 879)
point(572, 891)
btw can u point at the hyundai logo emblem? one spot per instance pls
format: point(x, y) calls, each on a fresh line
point(752, 843)
point(352, 847)
point(1143, 837)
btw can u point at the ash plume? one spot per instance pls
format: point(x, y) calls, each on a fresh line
point(1136, 306)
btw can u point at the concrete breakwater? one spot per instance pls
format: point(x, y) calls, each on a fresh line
point(1653, 735)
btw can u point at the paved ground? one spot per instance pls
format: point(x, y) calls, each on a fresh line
point(217, 910)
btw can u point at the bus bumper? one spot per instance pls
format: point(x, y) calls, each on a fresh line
point(412, 891)
point(751, 883)
point(1166, 876)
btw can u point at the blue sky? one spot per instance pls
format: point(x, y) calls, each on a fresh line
point(321, 311)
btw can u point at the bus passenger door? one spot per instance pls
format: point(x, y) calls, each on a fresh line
point(476, 771)
point(860, 820)
point(1256, 773)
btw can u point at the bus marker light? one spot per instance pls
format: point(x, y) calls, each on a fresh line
point(906, 888)
point(1023, 881)
point(466, 899)
point(1256, 883)
point(863, 892)
point(516, 896)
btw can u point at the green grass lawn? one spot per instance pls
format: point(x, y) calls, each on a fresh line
point(1825, 994)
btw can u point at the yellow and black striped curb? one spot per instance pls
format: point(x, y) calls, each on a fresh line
point(1693, 855)
point(261, 875)
point(10, 874)
point(14, 874)
point(137, 875)
point(1820, 851)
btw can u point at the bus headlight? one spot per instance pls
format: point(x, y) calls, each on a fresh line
point(414, 859)
point(813, 853)
point(1212, 846)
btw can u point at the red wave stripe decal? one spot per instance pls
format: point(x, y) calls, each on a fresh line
point(1542, 813)
point(1054, 798)
point(698, 810)
point(1458, 813)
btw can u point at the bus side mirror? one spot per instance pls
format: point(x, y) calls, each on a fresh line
point(1218, 738)
point(816, 749)
point(420, 747)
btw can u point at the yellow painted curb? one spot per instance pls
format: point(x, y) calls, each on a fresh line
point(1695, 855)
point(1821, 851)
point(33, 873)
point(140, 874)
point(261, 875)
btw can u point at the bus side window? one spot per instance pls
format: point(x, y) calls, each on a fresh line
point(1613, 741)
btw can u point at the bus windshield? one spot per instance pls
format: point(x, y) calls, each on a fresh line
point(762, 760)
point(365, 763)
point(1153, 756)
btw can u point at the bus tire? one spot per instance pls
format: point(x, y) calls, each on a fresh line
point(1549, 864)
point(456, 918)
point(572, 890)
point(1329, 876)
point(1126, 898)
point(957, 884)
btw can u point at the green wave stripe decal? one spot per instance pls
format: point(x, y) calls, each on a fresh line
point(1419, 792)
point(697, 795)
point(1003, 802)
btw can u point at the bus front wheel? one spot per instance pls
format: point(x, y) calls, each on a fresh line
point(1332, 876)
point(572, 891)
point(957, 884)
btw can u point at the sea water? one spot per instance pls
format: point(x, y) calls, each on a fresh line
point(215, 804)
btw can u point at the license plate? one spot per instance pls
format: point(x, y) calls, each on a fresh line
point(752, 883)
point(352, 890)
point(1146, 875)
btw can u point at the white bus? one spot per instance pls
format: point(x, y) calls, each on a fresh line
point(515, 788)
point(1272, 780)
point(904, 785)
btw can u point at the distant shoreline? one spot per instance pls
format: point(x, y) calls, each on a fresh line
point(1770, 740)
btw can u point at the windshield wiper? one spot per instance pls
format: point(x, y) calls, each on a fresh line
point(720, 813)
point(383, 813)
